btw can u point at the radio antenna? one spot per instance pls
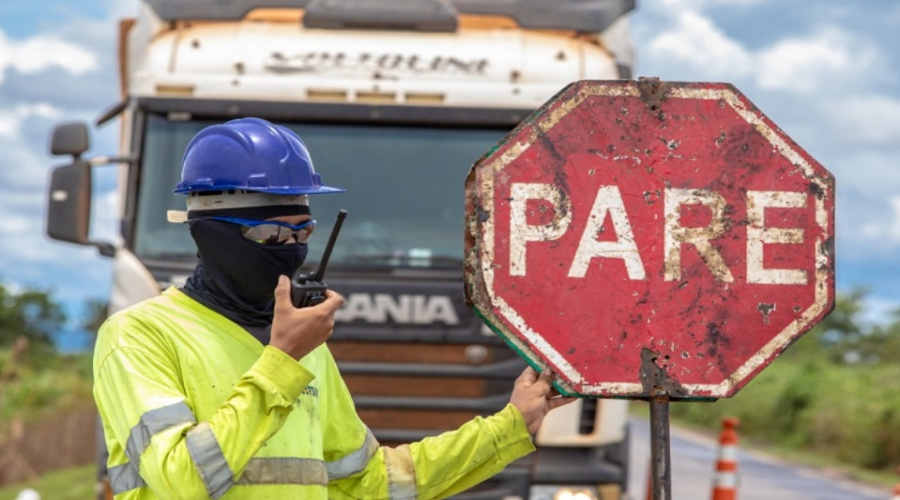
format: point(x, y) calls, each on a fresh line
point(320, 272)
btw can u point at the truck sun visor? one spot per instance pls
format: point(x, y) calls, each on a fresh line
point(579, 15)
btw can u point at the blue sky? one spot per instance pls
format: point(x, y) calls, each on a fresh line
point(826, 71)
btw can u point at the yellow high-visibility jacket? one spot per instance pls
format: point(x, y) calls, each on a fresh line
point(195, 407)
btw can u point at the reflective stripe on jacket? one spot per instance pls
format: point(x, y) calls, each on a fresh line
point(193, 406)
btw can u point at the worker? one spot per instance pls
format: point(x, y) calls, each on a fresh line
point(223, 389)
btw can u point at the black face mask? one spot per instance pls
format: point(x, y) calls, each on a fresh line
point(236, 277)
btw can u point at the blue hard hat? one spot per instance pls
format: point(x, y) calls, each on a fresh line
point(249, 154)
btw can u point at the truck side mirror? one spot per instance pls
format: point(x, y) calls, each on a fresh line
point(70, 139)
point(69, 205)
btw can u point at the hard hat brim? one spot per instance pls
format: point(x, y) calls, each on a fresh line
point(228, 200)
point(287, 190)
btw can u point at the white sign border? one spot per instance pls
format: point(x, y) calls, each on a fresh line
point(724, 94)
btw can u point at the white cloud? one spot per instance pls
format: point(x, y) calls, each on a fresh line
point(46, 77)
point(24, 140)
point(105, 216)
point(42, 52)
point(869, 119)
point(741, 3)
point(691, 46)
point(696, 42)
point(122, 8)
point(24, 243)
point(696, 5)
point(13, 224)
point(868, 201)
point(890, 231)
point(805, 65)
point(879, 310)
point(11, 119)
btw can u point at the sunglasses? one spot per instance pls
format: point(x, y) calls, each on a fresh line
point(271, 232)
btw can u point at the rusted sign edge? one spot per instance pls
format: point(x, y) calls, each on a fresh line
point(541, 348)
point(551, 116)
point(481, 223)
point(824, 217)
point(532, 358)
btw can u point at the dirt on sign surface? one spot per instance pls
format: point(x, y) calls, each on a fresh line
point(645, 236)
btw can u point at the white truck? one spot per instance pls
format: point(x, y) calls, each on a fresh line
point(395, 99)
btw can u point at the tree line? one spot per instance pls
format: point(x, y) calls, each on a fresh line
point(834, 393)
point(842, 338)
point(34, 316)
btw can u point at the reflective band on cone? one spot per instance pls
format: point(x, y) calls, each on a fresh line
point(895, 494)
point(725, 479)
point(650, 480)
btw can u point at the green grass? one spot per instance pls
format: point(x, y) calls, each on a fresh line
point(835, 417)
point(31, 392)
point(34, 389)
point(847, 413)
point(800, 456)
point(843, 419)
point(76, 483)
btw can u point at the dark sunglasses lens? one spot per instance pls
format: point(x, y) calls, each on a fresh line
point(267, 234)
point(302, 235)
point(274, 234)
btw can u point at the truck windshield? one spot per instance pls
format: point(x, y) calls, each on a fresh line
point(404, 191)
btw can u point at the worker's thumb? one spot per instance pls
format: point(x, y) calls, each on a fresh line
point(283, 291)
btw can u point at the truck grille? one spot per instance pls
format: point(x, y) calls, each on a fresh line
point(406, 391)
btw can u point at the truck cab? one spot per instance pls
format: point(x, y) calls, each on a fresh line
point(395, 101)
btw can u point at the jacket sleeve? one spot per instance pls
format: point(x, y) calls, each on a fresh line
point(436, 467)
point(148, 418)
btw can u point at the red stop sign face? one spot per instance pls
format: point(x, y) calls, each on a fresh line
point(639, 237)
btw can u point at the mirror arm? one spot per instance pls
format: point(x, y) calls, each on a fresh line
point(106, 249)
point(98, 161)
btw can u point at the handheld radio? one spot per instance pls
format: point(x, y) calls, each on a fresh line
point(309, 289)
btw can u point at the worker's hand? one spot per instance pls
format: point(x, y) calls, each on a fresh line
point(298, 331)
point(534, 396)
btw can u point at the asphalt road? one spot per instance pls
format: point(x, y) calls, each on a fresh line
point(761, 477)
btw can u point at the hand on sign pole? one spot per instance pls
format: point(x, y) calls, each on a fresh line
point(534, 396)
point(297, 331)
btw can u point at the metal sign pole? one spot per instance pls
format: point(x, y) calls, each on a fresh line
point(661, 460)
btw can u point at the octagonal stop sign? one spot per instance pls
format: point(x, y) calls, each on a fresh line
point(649, 236)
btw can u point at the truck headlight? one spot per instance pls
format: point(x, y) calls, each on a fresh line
point(559, 492)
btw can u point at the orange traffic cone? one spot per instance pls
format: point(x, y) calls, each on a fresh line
point(895, 495)
point(649, 480)
point(725, 479)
